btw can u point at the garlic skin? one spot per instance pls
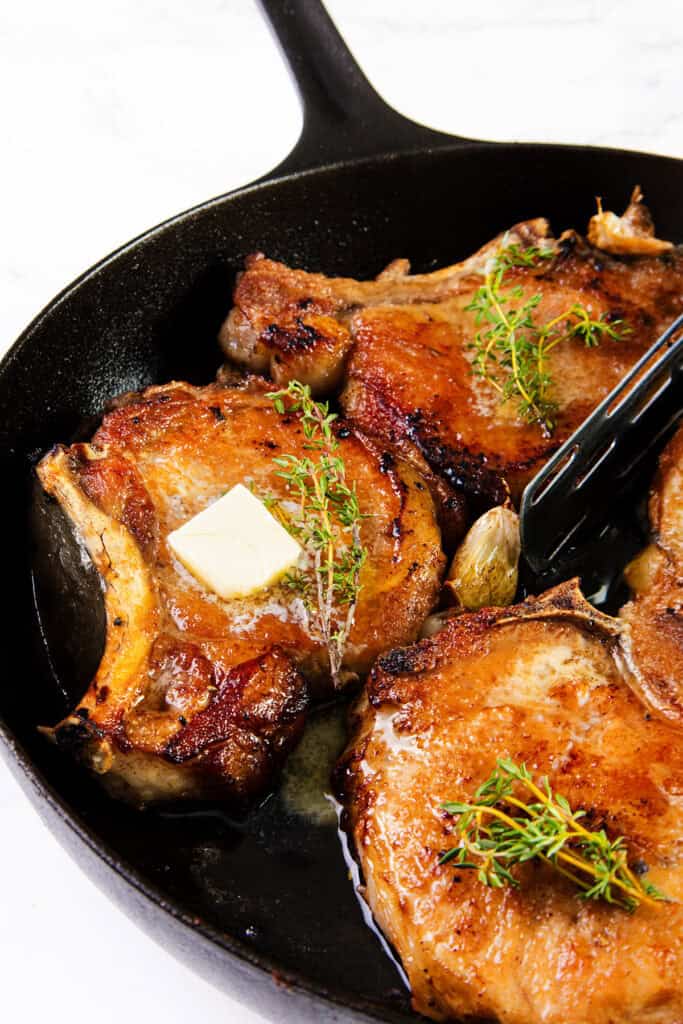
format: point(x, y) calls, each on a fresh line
point(484, 570)
point(632, 234)
point(435, 622)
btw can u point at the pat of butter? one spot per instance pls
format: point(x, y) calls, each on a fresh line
point(235, 546)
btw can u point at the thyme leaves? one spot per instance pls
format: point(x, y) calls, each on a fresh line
point(327, 524)
point(498, 830)
point(511, 347)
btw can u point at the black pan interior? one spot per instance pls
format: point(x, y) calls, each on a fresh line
point(273, 884)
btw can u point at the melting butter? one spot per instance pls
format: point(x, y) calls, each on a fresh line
point(306, 788)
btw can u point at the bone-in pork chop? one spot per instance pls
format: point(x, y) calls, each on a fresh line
point(195, 694)
point(401, 345)
point(540, 683)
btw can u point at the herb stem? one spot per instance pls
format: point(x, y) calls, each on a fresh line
point(328, 525)
point(531, 404)
point(547, 829)
point(511, 348)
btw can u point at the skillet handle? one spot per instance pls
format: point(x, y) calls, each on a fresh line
point(344, 118)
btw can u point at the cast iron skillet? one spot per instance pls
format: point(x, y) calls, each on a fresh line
point(263, 907)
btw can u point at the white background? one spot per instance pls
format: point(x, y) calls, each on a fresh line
point(115, 116)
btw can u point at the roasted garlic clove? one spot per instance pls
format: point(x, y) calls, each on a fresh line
point(641, 571)
point(632, 234)
point(484, 570)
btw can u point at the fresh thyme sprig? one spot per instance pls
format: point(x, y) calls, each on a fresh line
point(511, 349)
point(499, 830)
point(328, 524)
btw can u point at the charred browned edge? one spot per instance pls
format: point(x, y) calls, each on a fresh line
point(572, 244)
point(386, 464)
point(463, 470)
point(451, 502)
point(228, 719)
point(299, 338)
point(588, 264)
point(562, 602)
point(76, 732)
point(465, 473)
point(214, 725)
point(353, 799)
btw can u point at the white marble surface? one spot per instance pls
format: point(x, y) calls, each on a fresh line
point(116, 116)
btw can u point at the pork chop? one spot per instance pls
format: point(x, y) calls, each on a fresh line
point(401, 345)
point(541, 683)
point(655, 614)
point(195, 694)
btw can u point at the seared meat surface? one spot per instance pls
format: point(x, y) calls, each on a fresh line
point(195, 695)
point(540, 683)
point(401, 345)
point(655, 615)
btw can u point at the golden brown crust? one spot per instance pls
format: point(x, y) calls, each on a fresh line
point(540, 683)
point(402, 345)
point(409, 377)
point(175, 703)
point(287, 331)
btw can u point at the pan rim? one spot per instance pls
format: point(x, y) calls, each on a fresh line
point(274, 178)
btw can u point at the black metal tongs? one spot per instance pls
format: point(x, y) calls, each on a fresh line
point(571, 500)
